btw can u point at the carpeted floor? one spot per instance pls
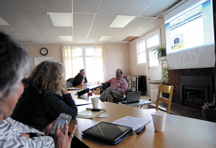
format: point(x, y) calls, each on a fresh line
point(178, 109)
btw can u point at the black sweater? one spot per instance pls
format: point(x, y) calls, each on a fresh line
point(39, 110)
point(78, 79)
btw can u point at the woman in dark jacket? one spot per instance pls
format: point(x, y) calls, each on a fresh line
point(45, 97)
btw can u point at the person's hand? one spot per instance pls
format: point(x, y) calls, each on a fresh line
point(61, 139)
point(64, 89)
point(47, 129)
point(118, 85)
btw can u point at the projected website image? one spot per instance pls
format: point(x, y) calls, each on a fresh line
point(178, 42)
point(186, 31)
point(188, 17)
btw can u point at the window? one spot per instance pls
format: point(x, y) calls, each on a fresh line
point(88, 58)
point(153, 41)
point(141, 53)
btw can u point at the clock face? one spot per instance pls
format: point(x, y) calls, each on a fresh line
point(43, 51)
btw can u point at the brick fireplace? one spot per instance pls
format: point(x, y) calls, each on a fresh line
point(174, 78)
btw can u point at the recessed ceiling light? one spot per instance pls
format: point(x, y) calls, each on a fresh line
point(105, 38)
point(65, 38)
point(121, 21)
point(61, 19)
point(3, 22)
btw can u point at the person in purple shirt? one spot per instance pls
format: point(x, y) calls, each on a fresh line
point(118, 87)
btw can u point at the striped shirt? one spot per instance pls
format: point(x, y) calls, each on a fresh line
point(10, 136)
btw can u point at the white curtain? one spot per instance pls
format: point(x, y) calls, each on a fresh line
point(70, 60)
point(72, 66)
point(98, 64)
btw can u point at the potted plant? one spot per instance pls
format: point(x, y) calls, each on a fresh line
point(165, 77)
point(209, 111)
point(160, 51)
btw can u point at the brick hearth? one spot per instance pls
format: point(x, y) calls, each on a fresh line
point(174, 74)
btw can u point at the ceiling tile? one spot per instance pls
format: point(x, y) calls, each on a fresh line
point(7, 5)
point(22, 39)
point(79, 39)
point(150, 26)
point(112, 31)
point(11, 31)
point(15, 18)
point(59, 5)
point(30, 5)
point(137, 22)
point(61, 19)
point(39, 18)
point(93, 40)
point(30, 31)
point(126, 32)
point(47, 30)
point(96, 32)
point(118, 38)
point(82, 20)
point(65, 38)
point(103, 20)
point(36, 39)
point(80, 32)
point(157, 7)
point(85, 6)
point(3, 22)
point(134, 7)
point(111, 6)
point(64, 31)
point(51, 39)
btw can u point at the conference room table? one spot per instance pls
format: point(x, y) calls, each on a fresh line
point(90, 86)
point(83, 99)
point(180, 132)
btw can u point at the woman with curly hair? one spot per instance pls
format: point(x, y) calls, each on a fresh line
point(45, 97)
point(14, 60)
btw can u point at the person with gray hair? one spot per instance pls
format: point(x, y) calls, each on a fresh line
point(14, 66)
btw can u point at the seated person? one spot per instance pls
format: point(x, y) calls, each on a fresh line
point(45, 97)
point(80, 79)
point(15, 63)
point(118, 86)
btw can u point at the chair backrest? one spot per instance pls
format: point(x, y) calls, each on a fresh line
point(70, 80)
point(68, 84)
point(168, 89)
point(105, 86)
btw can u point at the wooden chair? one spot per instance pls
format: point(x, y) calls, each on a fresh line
point(168, 89)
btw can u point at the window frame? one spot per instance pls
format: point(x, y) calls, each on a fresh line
point(138, 53)
point(144, 39)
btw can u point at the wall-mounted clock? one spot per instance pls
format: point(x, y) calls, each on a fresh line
point(43, 51)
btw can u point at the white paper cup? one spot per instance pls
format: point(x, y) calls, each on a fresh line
point(159, 120)
point(95, 102)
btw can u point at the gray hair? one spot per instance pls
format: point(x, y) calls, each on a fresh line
point(15, 64)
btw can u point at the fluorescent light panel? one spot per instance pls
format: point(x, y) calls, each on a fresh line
point(3, 22)
point(61, 19)
point(66, 38)
point(121, 21)
point(105, 38)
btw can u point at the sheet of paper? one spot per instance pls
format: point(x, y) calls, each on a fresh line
point(103, 116)
point(89, 114)
point(133, 122)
